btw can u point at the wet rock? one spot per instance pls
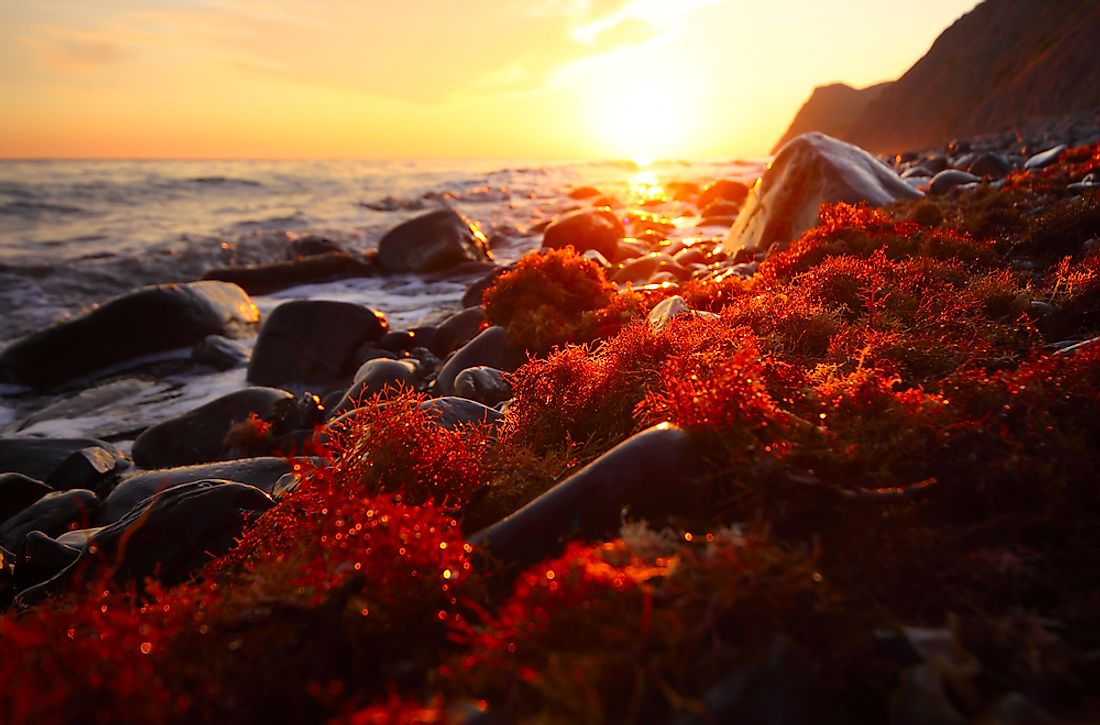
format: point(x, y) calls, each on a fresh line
point(374, 377)
point(645, 474)
point(261, 473)
point(17, 492)
point(260, 279)
point(723, 190)
point(432, 242)
point(40, 457)
point(918, 172)
point(689, 256)
point(720, 209)
point(490, 348)
point(598, 258)
point(457, 330)
point(666, 310)
point(597, 229)
point(811, 170)
point(584, 192)
point(1044, 159)
point(312, 342)
point(198, 436)
point(943, 182)
point(181, 530)
point(453, 412)
point(40, 559)
point(147, 321)
point(94, 468)
point(311, 245)
point(397, 341)
point(483, 384)
point(219, 352)
point(474, 293)
point(990, 164)
point(52, 515)
point(643, 268)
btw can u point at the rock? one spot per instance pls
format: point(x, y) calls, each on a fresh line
point(147, 321)
point(198, 436)
point(432, 242)
point(260, 279)
point(17, 492)
point(666, 310)
point(312, 342)
point(720, 209)
point(219, 352)
point(723, 190)
point(598, 258)
point(917, 172)
point(374, 377)
point(183, 528)
point(311, 245)
point(395, 341)
point(40, 457)
point(990, 164)
point(474, 293)
point(261, 473)
point(457, 330)
point(483, 384)
point(584, 192)
point(643, 268)
point(811, 170)
point(52, 515)
point(646, 474)
point(93, 468)
point(454, 412)
point(40, 559)
point(597, 229)
point(1044, 159)
point(943, 182)
point(490, 348)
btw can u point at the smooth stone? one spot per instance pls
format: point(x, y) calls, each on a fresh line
point(198, 436)
point(596, 257)
point(261, 473)
point(597, 229)
point(457, 330)
point(219, 353)
point(453, 412)
point(432, 242)
point(373, 377)
point(93, 468)
point(1044, 159)
point(311, 245)
point(179, 532)
point(690, 255)
point(52, 514)
point(811, 170)
point(490, 348)
point(40, 457)
point(261, 279)
point(643, 268)
point(397, 341)
point(77, 537)
point(584, 192)
point(720, 209)
point(727, 190)
point(667, 310)
point(645, 474)
point(990, 164)
point(90, 400)
point(17, 492)
point(919, 172)
point(312, 342)
point(41, 558)
point(474, 293)
point(137, 324)
point(943, 182)
point(483, 384)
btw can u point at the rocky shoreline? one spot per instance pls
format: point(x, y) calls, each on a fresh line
point(635, 479)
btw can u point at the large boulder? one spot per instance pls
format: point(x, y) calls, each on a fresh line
point(435, 241)
point(811, 170)
point(53, 514)
point(598, 229)
point(43, 458)
point(198, 436)
point(312, 342)
point(147, 321)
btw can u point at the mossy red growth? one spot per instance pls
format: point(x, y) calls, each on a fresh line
point(554, 298)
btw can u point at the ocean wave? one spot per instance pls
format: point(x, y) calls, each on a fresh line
point(36, 209)
point(221, 181)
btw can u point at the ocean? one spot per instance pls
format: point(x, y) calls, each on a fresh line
point(74, 233)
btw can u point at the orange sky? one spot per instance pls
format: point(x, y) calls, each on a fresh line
point(435, 78)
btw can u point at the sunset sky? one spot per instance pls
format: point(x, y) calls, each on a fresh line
point(435, 78)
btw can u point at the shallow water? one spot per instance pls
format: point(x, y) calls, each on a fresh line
point(73, 233)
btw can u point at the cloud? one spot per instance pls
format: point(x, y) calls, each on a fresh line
point(69, 53)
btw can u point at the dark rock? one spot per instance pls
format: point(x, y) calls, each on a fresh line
point(727, 190)
point(811, 170)
point(41, 558)
point(262, 279)
point(312, 342)
point(918, 172)
point(93, 468)
point(943, 182)
point(643, 268)
point(40, 457)
point(453, 412)
point(395, 341)
point(261, 473)
point(991, 164)
point(457, 330)
point(52, 515)
point(474, 293)
point(374, 377)
point(219, 352)
point(1044, 159)
point(149, 320)
point(720, 208)
point(182, 529)
point(198, 436)
point(434, 241)
point(311, 245)
point(490, 348)
point(483, 384)
point(17, 492)
point(597, 229)
point(689, 256)
point(646, 474)
point(936, 163)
